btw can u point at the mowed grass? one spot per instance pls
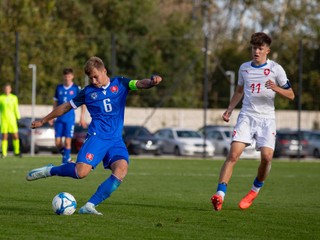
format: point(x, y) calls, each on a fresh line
point(163, 199)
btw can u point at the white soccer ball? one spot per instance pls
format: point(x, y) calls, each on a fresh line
point(64, 204)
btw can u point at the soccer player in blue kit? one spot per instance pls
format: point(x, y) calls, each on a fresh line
point(64, 125)
point(105, 100)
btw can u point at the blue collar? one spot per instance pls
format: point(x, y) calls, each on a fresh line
point(259, 66)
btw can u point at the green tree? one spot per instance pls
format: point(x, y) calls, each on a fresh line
point(156, 36)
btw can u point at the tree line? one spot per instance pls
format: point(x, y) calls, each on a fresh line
point(141, 37)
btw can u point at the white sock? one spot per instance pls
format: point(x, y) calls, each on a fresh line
point(222, 194)
point(255, 189)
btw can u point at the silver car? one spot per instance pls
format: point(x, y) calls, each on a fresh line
point(184, 142)
point(44, 136)
point(314, 144)
point(221, 138)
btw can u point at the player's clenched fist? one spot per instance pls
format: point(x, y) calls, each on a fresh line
point(36, 124)
point(155, 79)
point(226, 116)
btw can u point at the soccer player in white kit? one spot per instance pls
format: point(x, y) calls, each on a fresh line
point(258, 82)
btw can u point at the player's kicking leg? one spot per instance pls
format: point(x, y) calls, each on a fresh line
point(64, 170)
point(38, 173)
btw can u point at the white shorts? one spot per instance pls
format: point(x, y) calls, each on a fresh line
point(261, 130)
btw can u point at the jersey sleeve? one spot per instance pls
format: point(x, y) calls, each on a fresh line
point(79, 99)
point(240, 77)
point(281, 76)
point(125, 82)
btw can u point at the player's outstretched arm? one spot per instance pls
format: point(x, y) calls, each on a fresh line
point(58, 111)
point(237, 96)
point(148, 83)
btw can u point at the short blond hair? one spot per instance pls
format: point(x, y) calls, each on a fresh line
point(93, 62)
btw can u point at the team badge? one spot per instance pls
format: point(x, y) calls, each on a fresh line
point(89, 156)
point(234, 133)
point(266, 71)
point(114, 89)
point(94, 95)
point(71, 92)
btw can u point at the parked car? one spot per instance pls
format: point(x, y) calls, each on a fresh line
point(221, 138)
point(287, 143)
point(314, 144)
point(43, 136)
point(139, 140)
point(210, 127)
point(79, 136)
point(184, 141)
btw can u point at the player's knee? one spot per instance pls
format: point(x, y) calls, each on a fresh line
point(232, 157)
point(83, 170)
point(266, 156)
point(120, 169)
point(120, 173)
point(81, 175)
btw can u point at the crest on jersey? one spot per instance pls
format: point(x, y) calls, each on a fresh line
point(71, 92)
point(89, 156)
point(114, 89)
point(266, 71)
point(234, 133)
point(94, 95)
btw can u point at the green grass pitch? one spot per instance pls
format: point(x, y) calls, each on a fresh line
point(163, 199)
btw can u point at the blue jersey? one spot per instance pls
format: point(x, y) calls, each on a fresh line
point(106, 107)
point(64, 94)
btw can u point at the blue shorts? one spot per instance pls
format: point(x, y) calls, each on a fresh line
point(63, 129)
point(94, 150)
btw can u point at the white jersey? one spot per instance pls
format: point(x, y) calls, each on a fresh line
point(258, 101)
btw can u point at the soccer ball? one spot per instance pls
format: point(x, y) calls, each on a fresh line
point(64, 204)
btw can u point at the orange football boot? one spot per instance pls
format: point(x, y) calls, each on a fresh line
point(248, 200)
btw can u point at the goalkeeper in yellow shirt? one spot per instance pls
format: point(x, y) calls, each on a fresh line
point(9, 116)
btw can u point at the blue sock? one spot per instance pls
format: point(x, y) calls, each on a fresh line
point(66, 155)
point(222, 187)
point(105, 189)
point(65, 170)
point(257, 184)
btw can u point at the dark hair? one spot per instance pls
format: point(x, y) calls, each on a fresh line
point(67, 71)
point(260, 38)
point(93, 62)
